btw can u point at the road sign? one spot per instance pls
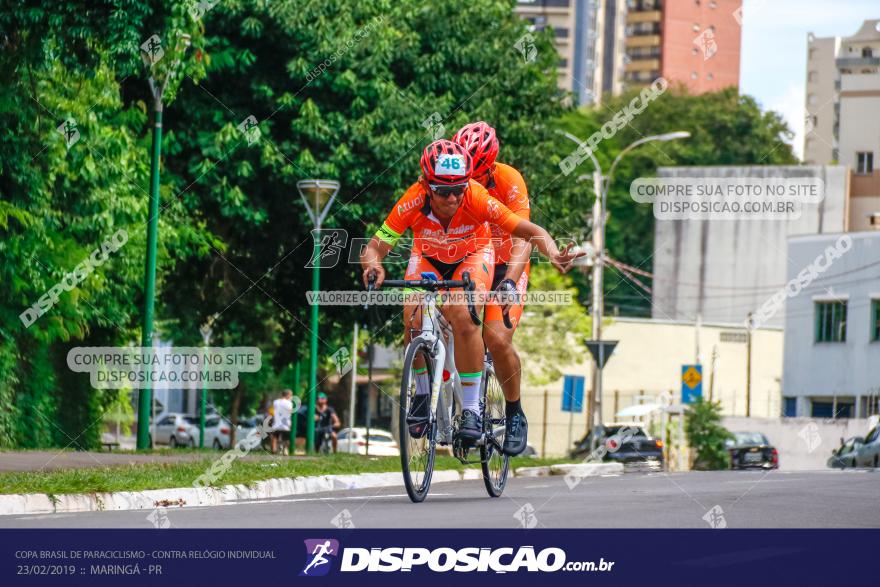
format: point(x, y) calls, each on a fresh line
point(601, 350)
point(573, 393)
point(691, 383)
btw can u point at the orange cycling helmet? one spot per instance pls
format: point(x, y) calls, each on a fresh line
point(445, 163)
point(481, 142)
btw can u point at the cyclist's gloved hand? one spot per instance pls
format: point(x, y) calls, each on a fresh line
point(376, 272)
point(506, 294)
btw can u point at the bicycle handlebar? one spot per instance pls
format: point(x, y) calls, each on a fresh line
point(465, 283)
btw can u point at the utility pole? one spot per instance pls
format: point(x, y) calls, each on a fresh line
point(749, 367)
point(595, 415)
point(712, 372)
point(601, 185)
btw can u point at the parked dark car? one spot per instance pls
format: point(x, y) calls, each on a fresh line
point(845, 455)
point(749, 450)
point(624, 443)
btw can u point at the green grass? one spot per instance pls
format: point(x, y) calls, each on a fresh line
point(182, 474)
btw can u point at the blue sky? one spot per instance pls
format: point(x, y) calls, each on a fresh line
point(774, 48)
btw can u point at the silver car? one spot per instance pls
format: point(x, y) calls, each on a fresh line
point(177, 430)
point(845, 455)
point(868, 454)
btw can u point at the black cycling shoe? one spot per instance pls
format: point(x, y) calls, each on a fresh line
point(471, 427)
point(417, 419)
point(516, 434)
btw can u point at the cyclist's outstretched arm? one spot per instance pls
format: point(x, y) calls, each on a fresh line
point(539, 237)
point(371, 260)
point(520, 251)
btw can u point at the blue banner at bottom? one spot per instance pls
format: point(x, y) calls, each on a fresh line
point(564, 557)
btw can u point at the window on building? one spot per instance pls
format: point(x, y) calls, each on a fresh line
point(694, 75)
point(709, 77)
point(864, 162)
point(826, 409)
point(875, 320)
point(813, 76)
point(831, 321)
point(812, 99)
point(867, 52)
point(811, 54)
point(789, 407)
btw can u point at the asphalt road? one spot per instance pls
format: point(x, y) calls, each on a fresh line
point(745, 499)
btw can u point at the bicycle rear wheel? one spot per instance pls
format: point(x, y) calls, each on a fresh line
point(495, 464)
point(416, 454)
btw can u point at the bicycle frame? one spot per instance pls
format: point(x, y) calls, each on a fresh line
point(436, 334)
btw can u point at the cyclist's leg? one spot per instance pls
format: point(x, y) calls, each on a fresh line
point(499, 341)
point(419, 411)
point(468, 340)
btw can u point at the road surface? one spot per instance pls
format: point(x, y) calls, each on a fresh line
point(744, 499)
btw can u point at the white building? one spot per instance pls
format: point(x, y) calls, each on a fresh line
point(832, 326)
point(723, 269)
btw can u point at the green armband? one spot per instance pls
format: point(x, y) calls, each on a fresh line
point(386, 235)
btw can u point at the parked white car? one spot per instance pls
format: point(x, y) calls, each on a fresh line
point(354, 440)
point(177, 430)
point(217, 431)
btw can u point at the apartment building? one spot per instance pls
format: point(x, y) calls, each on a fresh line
point(588, 35)
point(842, 122)
point(607, 46)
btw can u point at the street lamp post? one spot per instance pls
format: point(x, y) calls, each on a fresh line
point(601, 186)
point(157, 89)
point(318, 196)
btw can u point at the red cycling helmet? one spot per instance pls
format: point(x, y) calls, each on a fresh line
point(445, 163)
point(481, 142)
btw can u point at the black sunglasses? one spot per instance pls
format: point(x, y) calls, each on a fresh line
point(448, 190)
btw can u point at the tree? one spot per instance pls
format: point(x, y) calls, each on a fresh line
point(706, 435)
point(552, 336)
point(73, 173)
point(349, 91)
point(726, 128)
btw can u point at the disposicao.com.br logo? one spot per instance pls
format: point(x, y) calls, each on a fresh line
point(442, 560)
point(318, 553)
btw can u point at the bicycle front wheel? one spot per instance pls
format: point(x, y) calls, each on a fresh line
point(416, 451)
point(495, 464)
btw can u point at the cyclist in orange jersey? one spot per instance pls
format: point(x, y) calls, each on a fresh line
point(448, 214)
point(511, 275)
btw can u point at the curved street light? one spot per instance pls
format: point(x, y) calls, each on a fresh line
point(601, 186)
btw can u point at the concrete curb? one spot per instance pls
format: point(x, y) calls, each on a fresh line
point(39, 503)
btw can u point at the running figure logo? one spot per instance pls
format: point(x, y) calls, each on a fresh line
point(317, 552)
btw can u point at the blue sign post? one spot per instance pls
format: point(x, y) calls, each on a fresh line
point(691, 383)
point(573, 393)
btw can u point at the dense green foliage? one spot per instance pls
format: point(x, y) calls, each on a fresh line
point(338, 89)
point(706, 436)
